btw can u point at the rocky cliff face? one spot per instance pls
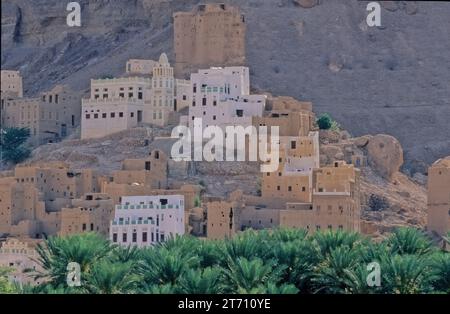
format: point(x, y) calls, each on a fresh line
point(393, 79)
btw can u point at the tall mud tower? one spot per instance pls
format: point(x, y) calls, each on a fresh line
point(209, 35)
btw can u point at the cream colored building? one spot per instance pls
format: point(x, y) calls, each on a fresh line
point(11, 84)
point(20, 255)
point(439, 197)
point(162, 98)
point(115, 105)
point(32, 199)
point(209, 35)
point(182, 94)
point(50, 117)
point(140, 66)
point(91, 213)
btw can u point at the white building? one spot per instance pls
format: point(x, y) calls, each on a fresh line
point(161, 102)
point(221, 96)
point(146, 220)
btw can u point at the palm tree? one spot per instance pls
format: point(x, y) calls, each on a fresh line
point(299, 256)
point(409, 241)
point(440, 272)
point(288, 235)
point(206, 281)
point(57, 252)
point(337, 273)
point(246, 244)
point(404, 274)
point(162, 266)
point(330, 240)
point(106, 277)
point(244, 276)
point(271, 288)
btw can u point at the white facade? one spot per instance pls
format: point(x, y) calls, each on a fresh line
point(221, 96)
point(161, 102)
point(147, 220)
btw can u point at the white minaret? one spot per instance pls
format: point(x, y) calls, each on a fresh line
point(162, 93)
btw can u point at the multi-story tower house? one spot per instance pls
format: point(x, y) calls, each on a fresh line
point(209, 35)
point(115, 105)
point(50, 117)
point(221, 96)
point(147, 220)
point(439, 197)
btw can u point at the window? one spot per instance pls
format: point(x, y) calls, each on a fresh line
point(330, 227)
point(134, 239)
point(130, 95)
point(184, 97)
point(131, 114)
point(147, 165)
point(293, 145)
point(144, 236)
point(303, 189)
point(120, 114)
point(214, 117)
point(122, 95)
point(194, 88)
point(140, 95)
point(193, 103)
point(113, 114)
point(204, 101)
point(289, 188)
point(88, 116)
point(95, 115)
point(278, 187)
point(115, 237)
point(124, 237)
point(240, 113)
point(83, 227)
point(104, 115)
point(92, 227)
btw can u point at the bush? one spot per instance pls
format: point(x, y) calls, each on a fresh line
point(325, 122)
point(13, 144)
point(378, 203)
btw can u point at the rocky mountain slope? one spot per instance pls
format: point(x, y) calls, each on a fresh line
point(394, 79)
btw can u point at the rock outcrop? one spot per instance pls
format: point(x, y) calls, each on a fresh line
point(385, 155)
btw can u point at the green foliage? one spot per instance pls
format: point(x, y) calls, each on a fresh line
point(279, 261)
point(197, 201)
point(13, 144)
point(5, 285)
point(325, 122)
